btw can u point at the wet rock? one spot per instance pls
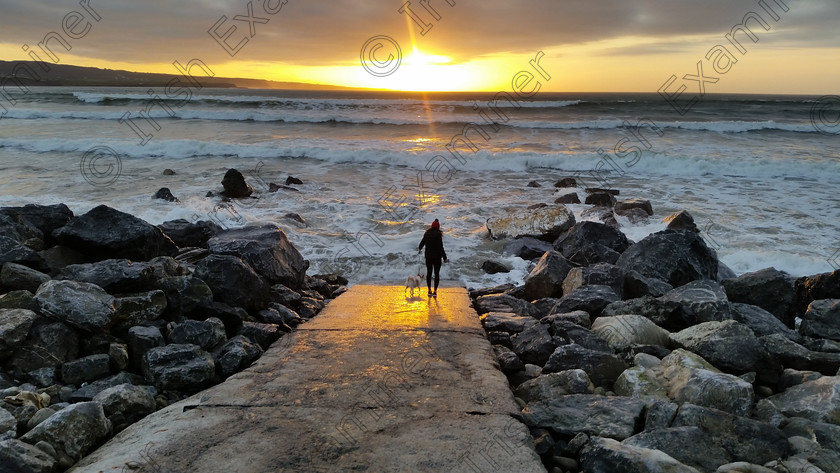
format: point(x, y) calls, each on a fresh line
point(602, 368)
point(676, 257)
point(46, 218)
point(570, 198)
point(20, 229)
point(47, 345)
point(234, 282)
point(822, 319)
point(546, 279)
point(600, 273)
point(283, 316)
point(769, 288)
point(533, 345)
point(14, 327)
point(613, 417)
point(814, 288)
point(165, 194)
point(24, 458)
point(699, 301)
point(549, 386)
point(267, 250)
point(138, 309)
point(127, 400)
point(681, 220)
point(503, 303)
point(82, 305)
point(591, 242)
point(261, 334)
point(544, 223)
point(178, 367)
point(207, 334)
point(506, 322)
point(622, 331)
point(565, 333)
point(293, 181)
point(728, 345)
point(600, 199)
point(57, 258)
point(760, 321)
point(577, 317)
point(624, 206)
point(236, 354)
point(115, 275)
point(184, 294)
point(493, 267)
point(12, 251)
point(16, 276)
point(592, 299)
point(566, 182)
point(509, 363)
point(235, 185)
point(74, 430)
point(187, 234)
point(88, 368)
point(106, 233)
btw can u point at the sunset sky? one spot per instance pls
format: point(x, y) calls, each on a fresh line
point(589, 45)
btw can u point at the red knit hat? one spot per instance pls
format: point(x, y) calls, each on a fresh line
point(436, 224)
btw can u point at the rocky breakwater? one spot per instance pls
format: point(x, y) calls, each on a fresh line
point(105, 318)
point(651, 356)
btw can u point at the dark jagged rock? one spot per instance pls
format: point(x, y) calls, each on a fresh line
point(138, 309)
point(11, 251)
point(295, 218)
point(664, 313)
point(728, 345)
point(503, 303)
point(793, 355)
point(16, 276)
point(613, 417)
point(235, 185)
point(267, 250)
point(699, 301)
point(509, 363)
point(600, 199)
point(624, 206)
point(769, 288)
point(603, 454)
point(141, 340)
point(20, 229)
point(546, 279)
point(85, 369)
point(207, 334)
point(571, 198)
point(290, 181)
point(565, 333)
point(21, 457)
point(602, 274)
point(566, 182)
point(115, 275)
point(74, 430)
point(533, 345)
point(90, 391)
point(128, 401)
point(187, 234)
point(812, 288)
point(234, 282)
point(681, 220)
point(544, 223)
point(178, 367)
point(82, 305)
point(822, 319)
point(47, 345)
point(165, 194)
point(636, 285)
point(676, 257)
point(106, 233)
point(261, 334)
point(761, 322)
point(603, 368)
point(184, 294)
point(57, 258)
point(526, 248)
point(45, 218)
point(591, 233)
point(506, 322)
point(14, 327)
point(493, 267)
point(534, 184)
point(592, 299)
point(236, 354)
point(231, 317)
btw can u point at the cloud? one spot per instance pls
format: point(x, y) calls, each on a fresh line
point(320, 33)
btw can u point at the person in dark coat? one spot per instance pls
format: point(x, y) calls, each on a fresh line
point(433, 241)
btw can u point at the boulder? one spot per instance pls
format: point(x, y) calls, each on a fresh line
point(184, 294)
point(207, 334)
point(613, 417)
point(687, 444)
point(822, 319)
point(236, 354)
point(566, 182)
point(19, 277)
point(592, 299)
point(689, 378)
point(814, 288)
point(14, 327)
point(527, 248)
point(235, 185)
point(18, 300)
point(114, 275)
point(47, 345)
point(261, 334)
point(602, 368)
point(566, 332)
point(20, 229)
point(73, 431)
point(533, 345)
point(728, 345)
point(82, 305)
point(769, 288)
point(592, 242)
point(509, 363)
point(138, 309)
point(165, 194)
point(622, 207)
point(663, 313)
point(570, 198)
point(793, 355)
point(234, 282)
point(141, 340)
point(232, 317)
point(130, 402)
point(744, 439)
point(493, 267)
point(20, 457)
point(178, 367)
point(46, 218)
point(578, 317)
point(818, 400)
point(89, 391)
point(760, 321)
point(676, 257)
point(546, 279)
point(506, 322)
point(281, 315)
point(600, 199)
point(503, 303)
point(622, 331)
point(11, 251)
point(828, 435)
point(544, 223)
point(608, 455)
point(85, 369)
point(187, 234)
point(549, 386)
point(699, 301)
point(267, 250)
point(640, 382)
point(105, 233)
point(680, 221)
point(601, 273)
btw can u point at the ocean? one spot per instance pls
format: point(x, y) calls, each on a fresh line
point(760, 174)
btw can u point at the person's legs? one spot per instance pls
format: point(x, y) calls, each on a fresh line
point(437, 274)
point(429, 266)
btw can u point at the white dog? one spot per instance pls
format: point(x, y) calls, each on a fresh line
point(414, 282)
